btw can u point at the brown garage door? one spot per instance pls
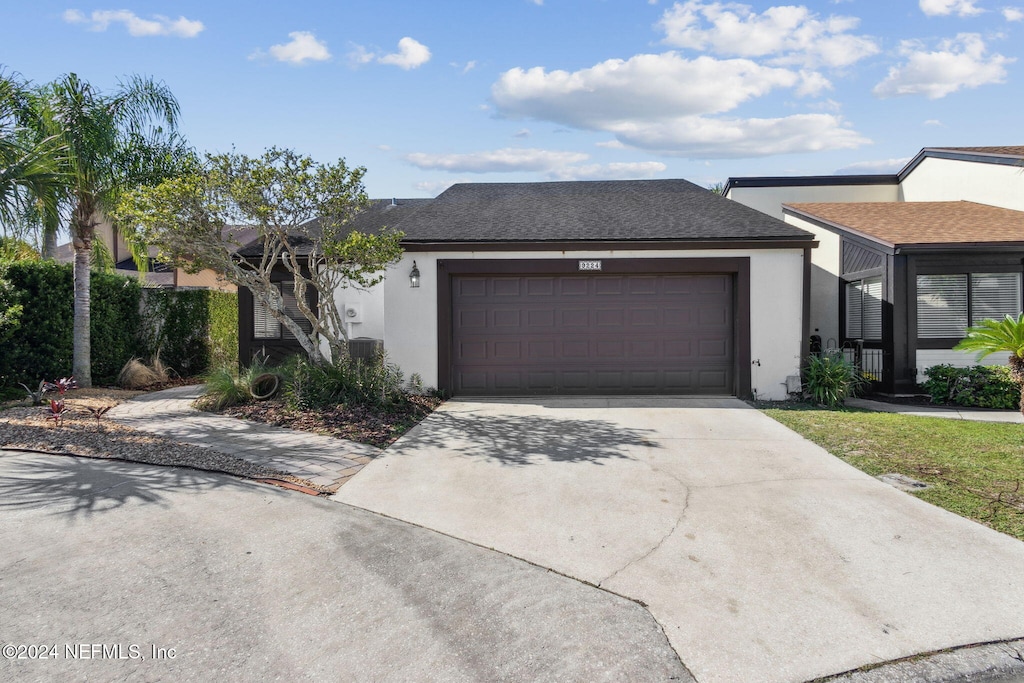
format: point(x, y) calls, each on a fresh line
point(592, 334)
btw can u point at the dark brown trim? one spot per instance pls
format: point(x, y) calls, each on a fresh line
point(810, 181)
point(652, 245)
point(805, 325)
point(740, 266)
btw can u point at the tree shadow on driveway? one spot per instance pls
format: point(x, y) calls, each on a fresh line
point(519, 440)
point(80, 487)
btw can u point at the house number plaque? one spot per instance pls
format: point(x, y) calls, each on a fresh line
point(589, 265)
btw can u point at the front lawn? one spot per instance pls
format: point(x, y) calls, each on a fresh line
point(975, 469)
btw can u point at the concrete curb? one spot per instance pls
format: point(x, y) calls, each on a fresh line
point(1001, 662)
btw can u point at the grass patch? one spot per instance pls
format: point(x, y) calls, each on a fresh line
point(975, 469)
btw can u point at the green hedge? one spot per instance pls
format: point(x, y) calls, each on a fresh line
point(194, 329)
point(980, 386)
point(40, 345)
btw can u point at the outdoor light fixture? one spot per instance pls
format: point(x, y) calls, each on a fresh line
point(414, 276)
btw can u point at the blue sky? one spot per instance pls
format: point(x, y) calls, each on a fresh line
point(428, 94)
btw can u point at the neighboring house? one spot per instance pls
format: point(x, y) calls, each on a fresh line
point(158, 274)
point(907, 261)
point(587, 288)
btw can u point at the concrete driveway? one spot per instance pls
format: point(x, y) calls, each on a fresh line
point(763, 557)
point(112, 563)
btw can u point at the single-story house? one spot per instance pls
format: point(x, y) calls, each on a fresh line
point(906, 262)
point(586, 288)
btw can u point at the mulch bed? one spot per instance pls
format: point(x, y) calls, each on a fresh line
point(375, 426)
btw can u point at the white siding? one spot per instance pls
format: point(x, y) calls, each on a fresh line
point(946, 180)
point(408, 322)
point(769, 200)
point(825, 266)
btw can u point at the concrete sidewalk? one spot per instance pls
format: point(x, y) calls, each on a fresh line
point(323, 460)
point(1013, 416)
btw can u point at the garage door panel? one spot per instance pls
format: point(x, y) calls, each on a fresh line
point(608, 285)
point(539, 286)
point(597, 333)
point(507, 318)
point(574, 287)
point(472, 287)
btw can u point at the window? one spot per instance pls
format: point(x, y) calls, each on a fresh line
point(864, 309)
point(265, 326)
point(945, 303)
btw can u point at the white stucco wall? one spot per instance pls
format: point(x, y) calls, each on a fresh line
point(769, 200)
point(826, 262)
point(407, 318)
point(947, 180)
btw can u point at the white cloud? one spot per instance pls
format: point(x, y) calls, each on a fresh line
point(302, 47)
point(555, 165)
point(630, 170)
point(359, 55)
point(436, 187)
point(959, 62)
point(610, 144)
point(465, 68)
point(942, 8)
point(505, 160)
point(812, 83)
point(159, 25)
point(870, 167)
point(1013, 14)
point(661, 103)
point(411, 54)
point(786, 34)
point(933, 122)
point(644, 87)
point(698, 137)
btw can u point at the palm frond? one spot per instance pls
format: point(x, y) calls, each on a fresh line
point(995, 336)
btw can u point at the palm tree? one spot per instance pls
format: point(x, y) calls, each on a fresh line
point(111, 141)
point(30, 165)
point(995, 336)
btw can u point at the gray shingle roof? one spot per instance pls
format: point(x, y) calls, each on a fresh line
point(615, 210)
point(588, 211)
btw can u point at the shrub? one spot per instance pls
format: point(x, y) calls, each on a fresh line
point(980, 386)
point(115, 324)
point(192, 330)
point(830, 379)
point(225, 387)
point(135, 374)
point(369, 382)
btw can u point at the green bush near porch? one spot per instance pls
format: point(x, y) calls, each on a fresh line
point(979, 386)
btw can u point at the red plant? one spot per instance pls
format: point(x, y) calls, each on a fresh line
point(57, 410)
point(64, 383)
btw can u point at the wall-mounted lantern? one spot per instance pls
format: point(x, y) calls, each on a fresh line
point(414, 276)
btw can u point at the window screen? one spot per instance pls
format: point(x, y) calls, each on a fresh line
point(864, 309)
point(941, 306)
point(264, 324)
point(994, 295)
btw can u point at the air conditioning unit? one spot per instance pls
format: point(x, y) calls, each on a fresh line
point(364, 347)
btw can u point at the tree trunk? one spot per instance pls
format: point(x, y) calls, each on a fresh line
point(1017, 375)
point(82, 350)
point(49, 244)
